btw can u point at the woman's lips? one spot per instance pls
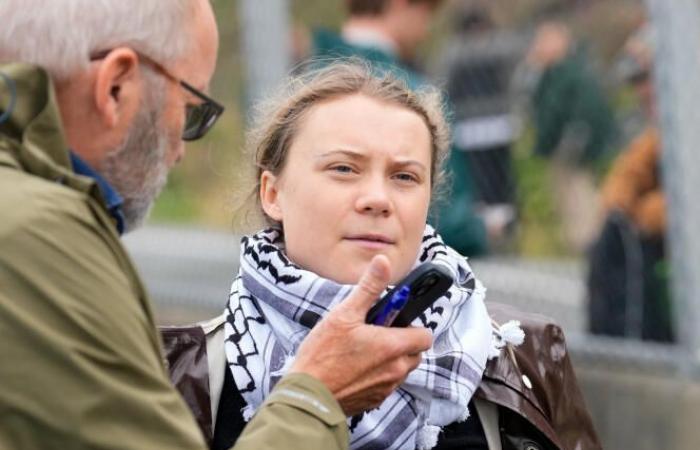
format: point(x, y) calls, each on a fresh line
point(371, 241)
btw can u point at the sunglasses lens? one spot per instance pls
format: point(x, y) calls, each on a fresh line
point(199, 119)
point(193, 122)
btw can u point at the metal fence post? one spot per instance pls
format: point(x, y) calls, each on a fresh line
point(677, 80)
point(266, 47)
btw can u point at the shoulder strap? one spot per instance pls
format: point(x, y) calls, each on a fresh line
point(214, 331)
point(488, 414)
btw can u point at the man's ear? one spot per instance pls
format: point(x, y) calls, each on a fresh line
point(269, 195)
point(117, 86)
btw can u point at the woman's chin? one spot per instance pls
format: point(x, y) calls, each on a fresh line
point(348, 266)
point(345, 273)
point(348, 273)
point(351, 273)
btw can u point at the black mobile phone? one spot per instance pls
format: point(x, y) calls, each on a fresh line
point(426, 283)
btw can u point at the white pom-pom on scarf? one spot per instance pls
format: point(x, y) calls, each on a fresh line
point(511, 333)
point(427, 437)
point(508, 333)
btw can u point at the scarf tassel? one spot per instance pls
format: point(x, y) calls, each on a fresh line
point(510, 333)
point(248, 412)
point(427, 437)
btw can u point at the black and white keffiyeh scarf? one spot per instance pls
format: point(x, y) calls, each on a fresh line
point(273, 304)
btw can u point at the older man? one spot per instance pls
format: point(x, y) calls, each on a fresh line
point(95, 102)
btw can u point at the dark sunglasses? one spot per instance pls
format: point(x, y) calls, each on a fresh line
point(199, 117)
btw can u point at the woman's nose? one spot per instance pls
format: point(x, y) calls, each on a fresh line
point(374, 199)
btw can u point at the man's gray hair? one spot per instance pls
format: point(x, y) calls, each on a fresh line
point(61, 35)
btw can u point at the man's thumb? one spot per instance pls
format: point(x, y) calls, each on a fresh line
point(372, 283)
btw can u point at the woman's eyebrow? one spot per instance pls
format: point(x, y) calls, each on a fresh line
point(361, 156)
point(410, 162)
point(349, 153)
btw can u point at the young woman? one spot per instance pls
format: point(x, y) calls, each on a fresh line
point(348, 161)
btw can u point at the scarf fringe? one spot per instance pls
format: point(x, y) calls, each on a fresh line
point(464, 416)
point(427, 437)
point(248, 412)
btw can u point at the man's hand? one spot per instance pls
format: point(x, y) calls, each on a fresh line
point(361, 364)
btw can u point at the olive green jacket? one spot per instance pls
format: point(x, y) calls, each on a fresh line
point(82, 365)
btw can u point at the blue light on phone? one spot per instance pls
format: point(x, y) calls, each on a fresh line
point(392, 309)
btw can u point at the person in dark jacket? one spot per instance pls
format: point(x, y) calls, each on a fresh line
point(574, 127)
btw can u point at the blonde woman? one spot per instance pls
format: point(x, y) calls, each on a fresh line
point(348, 161)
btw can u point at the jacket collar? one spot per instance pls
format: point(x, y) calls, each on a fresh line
point(32, 138)
point(113, 201)
point(34, 127)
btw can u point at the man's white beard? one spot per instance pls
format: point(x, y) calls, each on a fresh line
point(137, 168)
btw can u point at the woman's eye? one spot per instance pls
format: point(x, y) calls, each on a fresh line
point(341, 168)
point(408, 177)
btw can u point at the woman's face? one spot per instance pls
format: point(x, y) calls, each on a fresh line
point(356, 183)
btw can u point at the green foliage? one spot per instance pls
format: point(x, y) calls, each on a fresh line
point(539, 230)
point(176, 203)
point(326, 13)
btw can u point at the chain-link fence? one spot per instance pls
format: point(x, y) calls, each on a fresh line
point(579, 121)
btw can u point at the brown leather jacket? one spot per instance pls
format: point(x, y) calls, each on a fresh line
point(538, 400)
point(537, 383)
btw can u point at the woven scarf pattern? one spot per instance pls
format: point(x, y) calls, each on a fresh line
point(274, 303)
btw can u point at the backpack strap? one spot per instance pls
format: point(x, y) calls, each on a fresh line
point(214, 331)
point(488, 414)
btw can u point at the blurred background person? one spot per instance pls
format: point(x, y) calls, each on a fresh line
point(627, 281)
point(478, 64)
point(385, 32)
point(574, 127)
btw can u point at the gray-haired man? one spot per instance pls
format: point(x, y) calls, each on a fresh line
point(96, 99)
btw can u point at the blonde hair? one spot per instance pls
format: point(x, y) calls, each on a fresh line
point(278, 120)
